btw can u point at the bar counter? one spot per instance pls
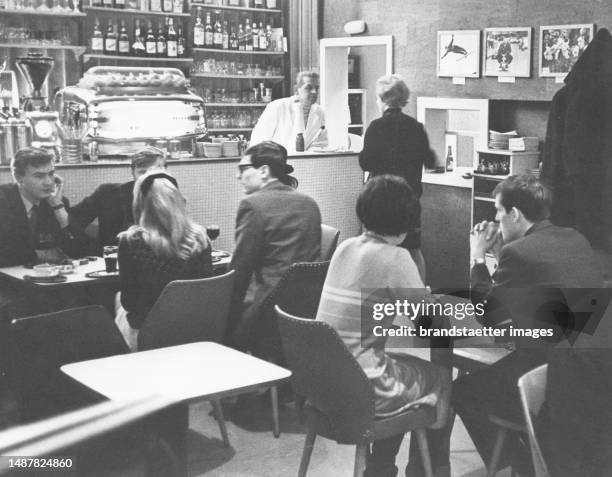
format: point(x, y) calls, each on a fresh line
point(213, 192)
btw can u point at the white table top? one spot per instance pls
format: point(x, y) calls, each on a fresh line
point(182, 372)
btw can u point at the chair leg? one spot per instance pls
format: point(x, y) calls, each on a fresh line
point(300, 402)
point(361, 457)
point(421, 436)
point(497, 449)
point(307, 452)
point(275, 419)
point(221, 421)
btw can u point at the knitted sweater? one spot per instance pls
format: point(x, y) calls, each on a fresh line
point(143, 275)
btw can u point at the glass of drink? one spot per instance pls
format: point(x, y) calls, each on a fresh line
point(213, 232)
point(110, 258)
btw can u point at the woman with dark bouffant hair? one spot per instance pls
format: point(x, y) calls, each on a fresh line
point(367, 272)
point(164, 245)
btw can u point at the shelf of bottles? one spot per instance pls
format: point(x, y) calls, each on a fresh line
point(271, 6)
point(138, 37)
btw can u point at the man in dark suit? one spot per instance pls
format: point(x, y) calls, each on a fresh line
point(536, 261)
point(275, 227)
point(34, 221)
point(111, 203)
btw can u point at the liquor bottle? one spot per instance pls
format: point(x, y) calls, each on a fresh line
point(110, 41)
point(248, 40)
point(241, 37)
point(107, 3)
point(255, 36)
point(172, 42)
point(180, 42)
point(198, 30)
point(123, 43)
point(299, 143)
point(155, 5)
point(168, 6)
point(269, 37)
point(217, 33)
point(120, 4)
point(263, 42)
point(450, 161)
point(233, 38)
point(226, 35)
point(162, 49)
point(258, 4)
point(97, 40)
point(150, 42)
point(138, 47)
point(208, 32)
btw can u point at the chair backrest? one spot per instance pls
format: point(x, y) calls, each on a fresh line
point(41, 344)
point(532, 389)
point(329, 241)
point(327, 375)
point(188, 311)
point(299, 290)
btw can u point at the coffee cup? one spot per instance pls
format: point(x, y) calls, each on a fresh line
point(45, 270)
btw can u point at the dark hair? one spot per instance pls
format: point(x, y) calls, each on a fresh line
point(273, 155)
point(527, 194)
point(146, 157)
point(29, 156)
point(387, 205)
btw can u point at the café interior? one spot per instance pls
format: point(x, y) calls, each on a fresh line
point(77, 397)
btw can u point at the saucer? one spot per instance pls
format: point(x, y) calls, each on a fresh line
point(51, 279)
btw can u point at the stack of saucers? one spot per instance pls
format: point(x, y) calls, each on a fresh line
point(498, 140)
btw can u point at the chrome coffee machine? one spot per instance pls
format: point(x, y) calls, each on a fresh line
point(36, 68)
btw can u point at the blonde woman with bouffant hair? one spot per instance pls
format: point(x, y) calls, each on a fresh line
point(164, 245)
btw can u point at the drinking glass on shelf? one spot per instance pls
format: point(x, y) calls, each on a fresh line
point(213, 232)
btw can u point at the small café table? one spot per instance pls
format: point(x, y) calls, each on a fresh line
point(185, 373)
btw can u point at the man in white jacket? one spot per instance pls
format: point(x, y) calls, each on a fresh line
point(283, 119)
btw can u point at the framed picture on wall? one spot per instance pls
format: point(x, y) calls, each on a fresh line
point(507, 52)
point(561, 46)
point(459, 53)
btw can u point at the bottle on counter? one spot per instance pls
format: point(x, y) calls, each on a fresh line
point(198, 30)
point(172, 41)
point(226, 35)
point(450, 161)
point(217, 32)
point(299, 143)
point(138, 47)
point(97, 40)
point(110, 41)
point(123, 42)
point(150, 41)
point(162, 48)
point(208, 32)
point(180, 43)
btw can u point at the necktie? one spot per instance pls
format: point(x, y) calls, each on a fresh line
point(33, 221)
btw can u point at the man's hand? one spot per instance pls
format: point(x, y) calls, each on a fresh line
point(483, 238)
point(55, 198)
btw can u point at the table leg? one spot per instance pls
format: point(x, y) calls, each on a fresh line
point(170, 426)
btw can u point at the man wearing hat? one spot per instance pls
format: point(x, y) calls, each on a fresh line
point(275, 227)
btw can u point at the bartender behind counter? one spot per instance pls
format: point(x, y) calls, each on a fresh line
point(283, 119)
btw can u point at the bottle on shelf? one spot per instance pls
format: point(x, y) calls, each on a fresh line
point(162, 49)
point(248, 36)
point(155, 5)
point(150, 41)
point(241, 36)
point(233, 38)
point(110, 41)
point(123, 42)
point(208, 32)
point(172, 41)
point(225, 36)
point(138, 47)
point(255, 36)
point(120, 4)
point(97, 40)
point(180, 43)
point(299, 142)
point(268, 37)
point(217, 32)
point(198, 30)
point(167, 6)
point(263, 41)
point(450, 161)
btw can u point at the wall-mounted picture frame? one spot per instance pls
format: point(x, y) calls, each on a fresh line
point(507, 52)
point(458, 53)
point(561, 46)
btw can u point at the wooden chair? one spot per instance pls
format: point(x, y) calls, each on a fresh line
point(41, 344)
point(188, 311)
point(340, 396)
point(329, 241)
point(532, 389)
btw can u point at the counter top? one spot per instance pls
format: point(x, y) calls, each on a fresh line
point(453, 179)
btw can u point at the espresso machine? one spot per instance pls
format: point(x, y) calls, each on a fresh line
point(36, 68)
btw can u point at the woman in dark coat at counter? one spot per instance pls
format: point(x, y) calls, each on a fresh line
point(398, 144)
